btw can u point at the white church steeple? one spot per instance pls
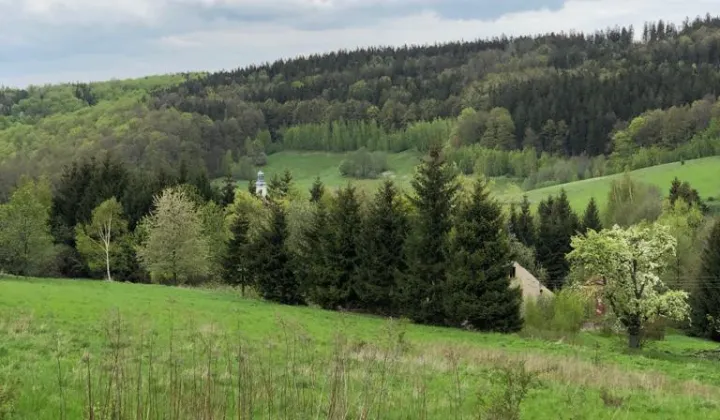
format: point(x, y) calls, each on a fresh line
point(260, 186)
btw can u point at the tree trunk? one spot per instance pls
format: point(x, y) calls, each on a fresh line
point(107, 263)
point(634, 337)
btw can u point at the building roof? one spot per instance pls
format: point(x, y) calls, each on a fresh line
point(530, 286)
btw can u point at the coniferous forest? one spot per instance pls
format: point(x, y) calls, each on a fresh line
point(119, 179)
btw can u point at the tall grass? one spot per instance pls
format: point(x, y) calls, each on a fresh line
point(203, 372)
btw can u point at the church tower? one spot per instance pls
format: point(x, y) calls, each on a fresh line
point(260, 186)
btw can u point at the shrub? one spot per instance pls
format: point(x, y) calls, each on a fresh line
point(363, 164)
point(562, 315)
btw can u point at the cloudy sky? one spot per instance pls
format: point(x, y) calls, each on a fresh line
point(44, 41)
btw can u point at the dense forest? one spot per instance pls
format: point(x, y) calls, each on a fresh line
point(581, 98)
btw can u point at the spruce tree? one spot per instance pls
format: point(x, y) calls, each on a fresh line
point(272, 261)
point(706, 298)
point(346, 223)
point(317, 191)
point(286, 181)
point(558, 224)
point(513, 220)
point(427, 249)
point(236, 263)
point(251, 187)
point(383, 239)
point(525, 230)
point(478, 292)
point(314, 258)
point(591, 217)
point(228, 191)
point(275, 187)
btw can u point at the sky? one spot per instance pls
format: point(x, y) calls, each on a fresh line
point(51, 41)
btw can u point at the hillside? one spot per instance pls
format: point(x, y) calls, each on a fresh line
point(702, 174)
point(568, 96)
point(56, 335)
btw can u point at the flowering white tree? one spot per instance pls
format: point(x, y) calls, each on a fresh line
point(630, 262)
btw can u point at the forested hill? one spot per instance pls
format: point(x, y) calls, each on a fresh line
point(565, 94)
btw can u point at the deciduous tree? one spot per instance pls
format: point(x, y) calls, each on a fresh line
point(174, 248)
point(25, 240)
point(99, 241)
point(630, 263)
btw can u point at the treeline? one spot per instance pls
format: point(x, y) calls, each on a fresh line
point(440, 255)
point(389, 254)
point(588, 82)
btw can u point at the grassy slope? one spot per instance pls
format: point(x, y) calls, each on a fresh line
point(702, 174)
point(664, 382)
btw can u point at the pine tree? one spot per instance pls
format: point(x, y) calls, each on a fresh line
point(591, 217)
point(427, 251)
point(525, 230)
point(706, 298)
point(513, 220)
point(228, 191)
point(236, 263)
point(317, 191)
point(346, 222)
point(202, 182)
point(286, 181)
point(272, 262)
point(478, 292)
point(558, 223)
point(314, 258)
point(251, 187)
point(383, 239)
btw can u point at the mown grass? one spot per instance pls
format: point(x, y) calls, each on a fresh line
point(143, 351)
point(703, 174)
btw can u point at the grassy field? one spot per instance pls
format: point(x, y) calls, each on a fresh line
point(305, 166)
point(81, 349)
point(702, 174)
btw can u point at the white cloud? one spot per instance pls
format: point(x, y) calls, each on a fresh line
point(224, 42)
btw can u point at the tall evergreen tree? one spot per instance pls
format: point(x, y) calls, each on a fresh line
point(591, 217)
point(346, 224)
point(525, 230)
point(251, 187)
point(706, 298)
point(427, 251)
point(381, 252)
point(478, 292)
point(286, 181)
point(558, 223)
point(236, 263)
point(314, 258)
point(513, 220)
point(317, 191)
point(228, 191)
point(272, 261)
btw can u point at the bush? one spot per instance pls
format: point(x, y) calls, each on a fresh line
point(364, 165)
point(562, 315)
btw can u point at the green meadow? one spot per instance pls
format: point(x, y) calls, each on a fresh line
point(72, 349)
